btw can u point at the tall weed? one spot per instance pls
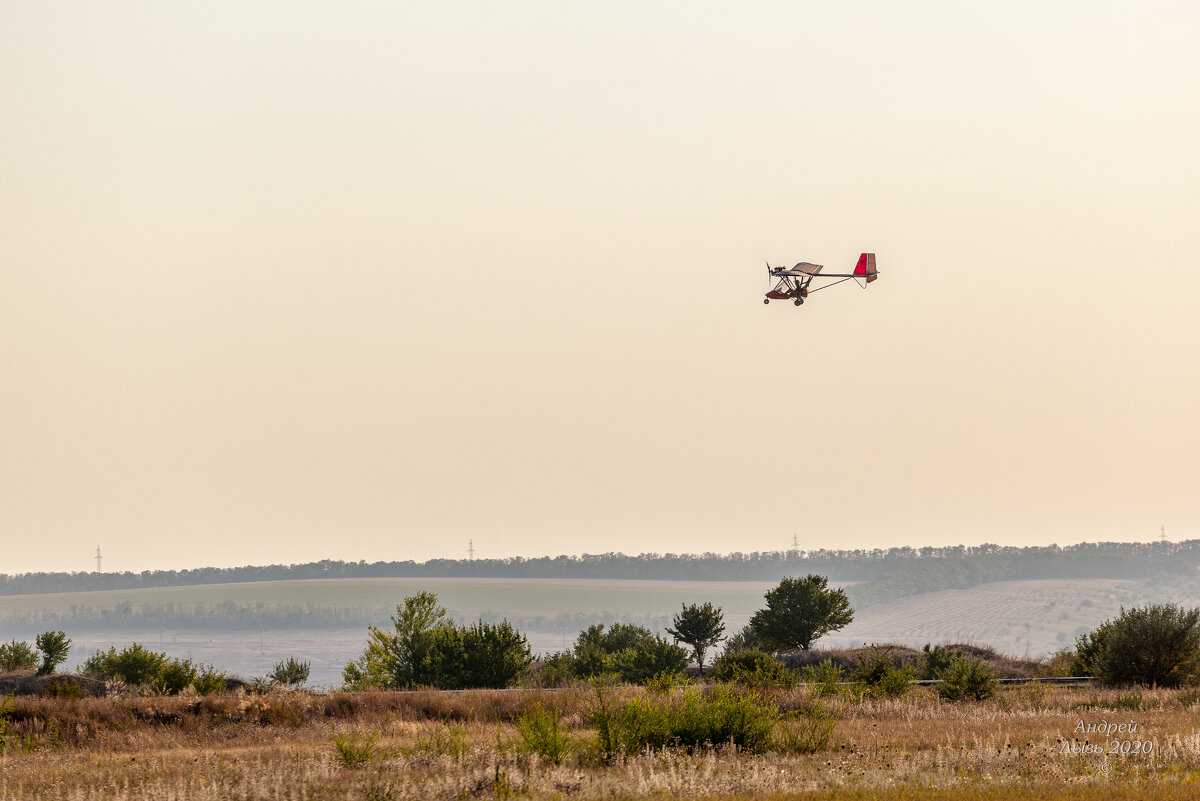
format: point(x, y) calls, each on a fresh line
point(542, 733)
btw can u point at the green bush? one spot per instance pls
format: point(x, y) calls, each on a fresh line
point(209, 680)
point(290, 671)
point(542, 733)
point(354, 751)
point(1157, 644)
point(138, 666)
point(17, 656)
point(937, 659)
point(879, 674)
point(749, 665)
point(967, 679)
point(825, 676)
point(807, 731)
point(62, 688)
point(631, 653)
point(693, 719)
point(426, 649)
point(175, 677)
point(134, 665)
point(556, 670)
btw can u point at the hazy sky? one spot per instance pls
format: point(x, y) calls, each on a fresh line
point(289, 281)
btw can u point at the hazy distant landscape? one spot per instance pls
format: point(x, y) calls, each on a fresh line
point(944, 596)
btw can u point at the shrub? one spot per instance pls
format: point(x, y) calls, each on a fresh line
point(693, 719)
point(209, 680)
point(7, 733)
point(495, 655)
point(54, 646)
point(648, 659)
point(353, 751)
point(749, 665)
point(632, 653)
point(967, 679)
point(937, 659)
point(825, 676)
point(176, 676)
point(426, 649)
point(1157, 644)
point(807, 731)
point(542, 733)
point(556, 670)
point(290, 671)
point(17, 656)
point(62, 688)
point(133, 665)
point(877, 671)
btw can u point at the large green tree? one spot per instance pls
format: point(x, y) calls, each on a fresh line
point(700, 626)
point(800, 611)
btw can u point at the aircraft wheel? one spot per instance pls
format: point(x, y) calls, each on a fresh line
point(797, 302)
point(766, 300)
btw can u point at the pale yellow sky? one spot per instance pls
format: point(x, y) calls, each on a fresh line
point(289, 281)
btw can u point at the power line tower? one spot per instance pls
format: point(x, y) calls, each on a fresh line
point(470, 550)
point(98, 558)
point(1162, 535)
point(795, 543)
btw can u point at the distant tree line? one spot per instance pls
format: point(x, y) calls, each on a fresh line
point(894, 571)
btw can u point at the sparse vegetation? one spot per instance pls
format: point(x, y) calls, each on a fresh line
point(430, 744)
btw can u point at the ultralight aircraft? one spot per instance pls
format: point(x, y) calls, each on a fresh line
point(794, 282)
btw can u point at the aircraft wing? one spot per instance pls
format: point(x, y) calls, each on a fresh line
point(803, 268)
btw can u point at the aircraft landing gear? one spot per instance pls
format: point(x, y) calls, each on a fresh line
point(766, 300)
point(797, 301)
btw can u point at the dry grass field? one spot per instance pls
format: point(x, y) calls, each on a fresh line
point(431, 744)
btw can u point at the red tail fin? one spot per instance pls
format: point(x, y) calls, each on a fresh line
point(866, 267)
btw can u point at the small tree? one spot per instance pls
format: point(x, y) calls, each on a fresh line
point(54, 646)
point(1157, 644)
point(290, 671)
point(800, 611)
point(427, 649)
point(701, 627)
point(403, 657)
point(17, 656)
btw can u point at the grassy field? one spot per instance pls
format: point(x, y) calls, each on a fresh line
point(465, 745)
